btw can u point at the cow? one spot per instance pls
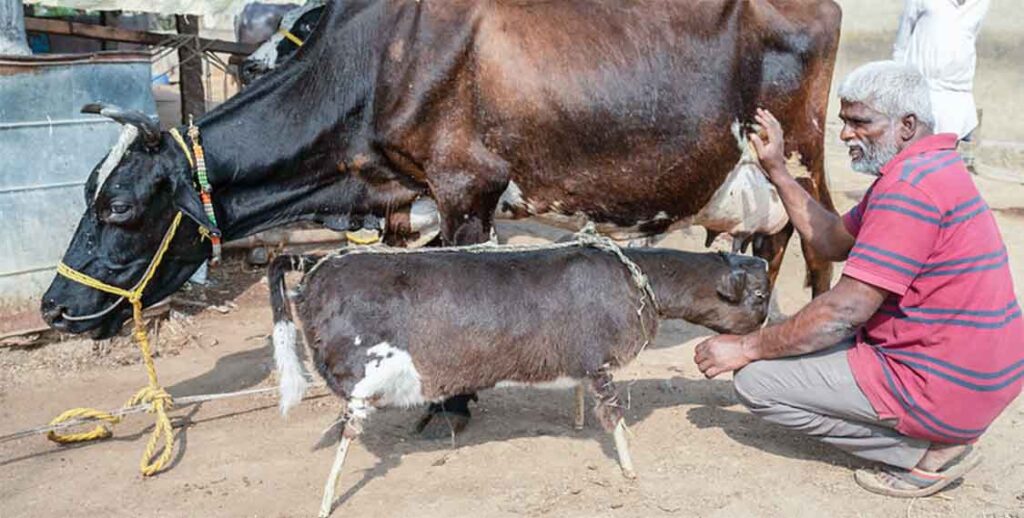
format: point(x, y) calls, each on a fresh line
point(289, 33)
point(383, 326)
point(259, 21)
point(623, 113)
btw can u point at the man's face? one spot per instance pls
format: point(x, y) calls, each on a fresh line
point(870, 136)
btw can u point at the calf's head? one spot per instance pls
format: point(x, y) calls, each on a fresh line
point(131, 198)
point(728, 293)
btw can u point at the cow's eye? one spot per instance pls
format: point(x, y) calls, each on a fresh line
point(119, 212)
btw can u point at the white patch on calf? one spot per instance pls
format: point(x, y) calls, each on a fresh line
point(128, 135)
point(290, 373)
point(746, 203)
point(389, 378)
point(561, 382)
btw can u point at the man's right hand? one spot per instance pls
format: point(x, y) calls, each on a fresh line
point(772, 153)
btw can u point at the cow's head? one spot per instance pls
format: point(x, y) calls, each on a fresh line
point(300, 23)
point(131, 198)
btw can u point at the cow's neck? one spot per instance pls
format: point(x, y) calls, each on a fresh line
point(272, 151)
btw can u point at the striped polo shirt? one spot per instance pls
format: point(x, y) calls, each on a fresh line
point(944, 355)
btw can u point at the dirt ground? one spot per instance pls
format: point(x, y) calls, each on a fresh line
point(697, 452)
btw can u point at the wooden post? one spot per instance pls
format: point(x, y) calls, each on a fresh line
point(190, 74)
point(12, 29)
point(109, 19)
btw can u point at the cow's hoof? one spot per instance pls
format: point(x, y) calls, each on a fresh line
point(441, 424)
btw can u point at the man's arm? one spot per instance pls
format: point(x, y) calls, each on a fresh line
point(906, 27)
point(826, 321)
point(818, 227)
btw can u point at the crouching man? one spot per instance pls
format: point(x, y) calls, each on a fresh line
point(918, 347)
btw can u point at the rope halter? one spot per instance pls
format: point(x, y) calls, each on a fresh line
point(153, 394)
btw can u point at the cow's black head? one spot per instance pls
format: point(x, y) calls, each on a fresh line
point(131, 199)
point(279, 48)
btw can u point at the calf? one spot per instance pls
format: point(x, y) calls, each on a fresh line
point(402, 329)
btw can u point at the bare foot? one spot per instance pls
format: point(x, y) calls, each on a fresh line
point(938, 455)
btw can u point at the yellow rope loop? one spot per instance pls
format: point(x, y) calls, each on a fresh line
point(100, 432)
point(159, 402)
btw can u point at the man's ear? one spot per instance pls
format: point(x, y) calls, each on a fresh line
point(187, 200)
point(909, 125)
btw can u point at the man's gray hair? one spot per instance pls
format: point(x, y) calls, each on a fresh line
point(891, 88)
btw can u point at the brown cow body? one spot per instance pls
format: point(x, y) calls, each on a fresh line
point(617, 112)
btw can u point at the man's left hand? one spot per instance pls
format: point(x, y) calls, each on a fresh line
point(722, 353)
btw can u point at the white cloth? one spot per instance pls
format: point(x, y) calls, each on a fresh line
point(938, 38)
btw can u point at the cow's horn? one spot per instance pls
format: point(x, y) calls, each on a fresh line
point(149, 127)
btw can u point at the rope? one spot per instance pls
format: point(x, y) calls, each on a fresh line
point(153, 395)
point(119, 414)
point(291, 37)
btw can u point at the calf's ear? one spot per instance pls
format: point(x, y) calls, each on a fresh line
point(732, 285)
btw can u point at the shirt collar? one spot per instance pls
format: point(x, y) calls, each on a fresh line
point(929, 144)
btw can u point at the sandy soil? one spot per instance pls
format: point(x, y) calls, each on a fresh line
point(697, 452)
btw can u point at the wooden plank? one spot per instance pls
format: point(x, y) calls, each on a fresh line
point(99, 32)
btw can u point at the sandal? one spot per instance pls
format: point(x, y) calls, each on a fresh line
point(916, 482)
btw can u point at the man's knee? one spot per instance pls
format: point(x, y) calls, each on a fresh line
point(748, 385)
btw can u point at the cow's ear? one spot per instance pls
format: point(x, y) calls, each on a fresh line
point(186, 199)
point(732, 285)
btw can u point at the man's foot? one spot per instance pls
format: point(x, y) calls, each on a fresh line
point(948, 464)
point(445, 419)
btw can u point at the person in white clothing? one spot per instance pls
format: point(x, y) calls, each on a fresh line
point(937, 37)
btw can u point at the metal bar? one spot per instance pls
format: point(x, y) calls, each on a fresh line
point(98, 32)
point(44, 187)
point(57, 122)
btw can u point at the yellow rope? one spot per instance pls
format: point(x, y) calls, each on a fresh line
point(181, 142)
point(291, 37)
point(153, 394)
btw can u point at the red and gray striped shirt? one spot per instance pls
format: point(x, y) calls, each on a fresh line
point(944, 355)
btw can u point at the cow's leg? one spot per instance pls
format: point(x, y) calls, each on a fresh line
point(819, 269)
point(580, 412)
point(350, 423)
point(610, 415)
point(467, 193)
point(772, 248)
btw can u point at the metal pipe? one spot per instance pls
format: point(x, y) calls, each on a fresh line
point(43, 187)
point(57, 122)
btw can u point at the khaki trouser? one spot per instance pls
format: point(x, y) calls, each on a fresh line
point(817, 395)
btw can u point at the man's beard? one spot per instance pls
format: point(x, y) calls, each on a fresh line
point(875, 154)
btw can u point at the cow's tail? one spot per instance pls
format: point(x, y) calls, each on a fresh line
point(292, 376)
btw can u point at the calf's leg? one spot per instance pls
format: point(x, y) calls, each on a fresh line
point(609, 414)
point(351, 425)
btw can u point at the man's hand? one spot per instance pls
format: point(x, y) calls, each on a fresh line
point(723, 353)
point(771, 153)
